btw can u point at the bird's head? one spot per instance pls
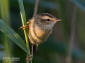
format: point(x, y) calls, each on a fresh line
point(46, 19)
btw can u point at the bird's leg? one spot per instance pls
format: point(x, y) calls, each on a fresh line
point(30, 57)
point(36, 46)
point(32, 49)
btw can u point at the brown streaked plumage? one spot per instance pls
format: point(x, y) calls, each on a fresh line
point(41, 27)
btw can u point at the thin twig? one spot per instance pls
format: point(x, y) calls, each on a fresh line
point(72, 36)
point(35, 8)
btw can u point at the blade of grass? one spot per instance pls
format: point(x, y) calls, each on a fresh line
point(23, 18)
point(12, 35)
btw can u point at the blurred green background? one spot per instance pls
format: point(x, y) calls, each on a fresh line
point(56, 48)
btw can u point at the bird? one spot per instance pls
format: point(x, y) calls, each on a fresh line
point(40, 27)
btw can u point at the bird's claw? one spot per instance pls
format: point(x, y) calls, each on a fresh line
point(24, 27)
point(29, 58)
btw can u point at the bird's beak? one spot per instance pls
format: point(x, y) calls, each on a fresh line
point(55, 19)
point(58, 20)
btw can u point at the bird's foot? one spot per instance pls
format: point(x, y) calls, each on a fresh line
point(29, 58)
point(24, 27)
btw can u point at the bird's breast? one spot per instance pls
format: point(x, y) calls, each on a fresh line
point(38, 33)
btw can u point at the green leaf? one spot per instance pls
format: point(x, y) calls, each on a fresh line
point(12, 35)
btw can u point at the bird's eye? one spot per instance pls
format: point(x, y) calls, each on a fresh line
point(48, 19)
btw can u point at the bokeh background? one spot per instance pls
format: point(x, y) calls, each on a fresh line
point(65, 45)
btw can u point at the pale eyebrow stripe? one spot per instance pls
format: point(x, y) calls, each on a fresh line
point(45, 17)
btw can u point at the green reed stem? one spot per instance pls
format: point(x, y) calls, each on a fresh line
point(23, 18)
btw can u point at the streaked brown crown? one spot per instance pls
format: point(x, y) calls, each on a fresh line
point(46, 14)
